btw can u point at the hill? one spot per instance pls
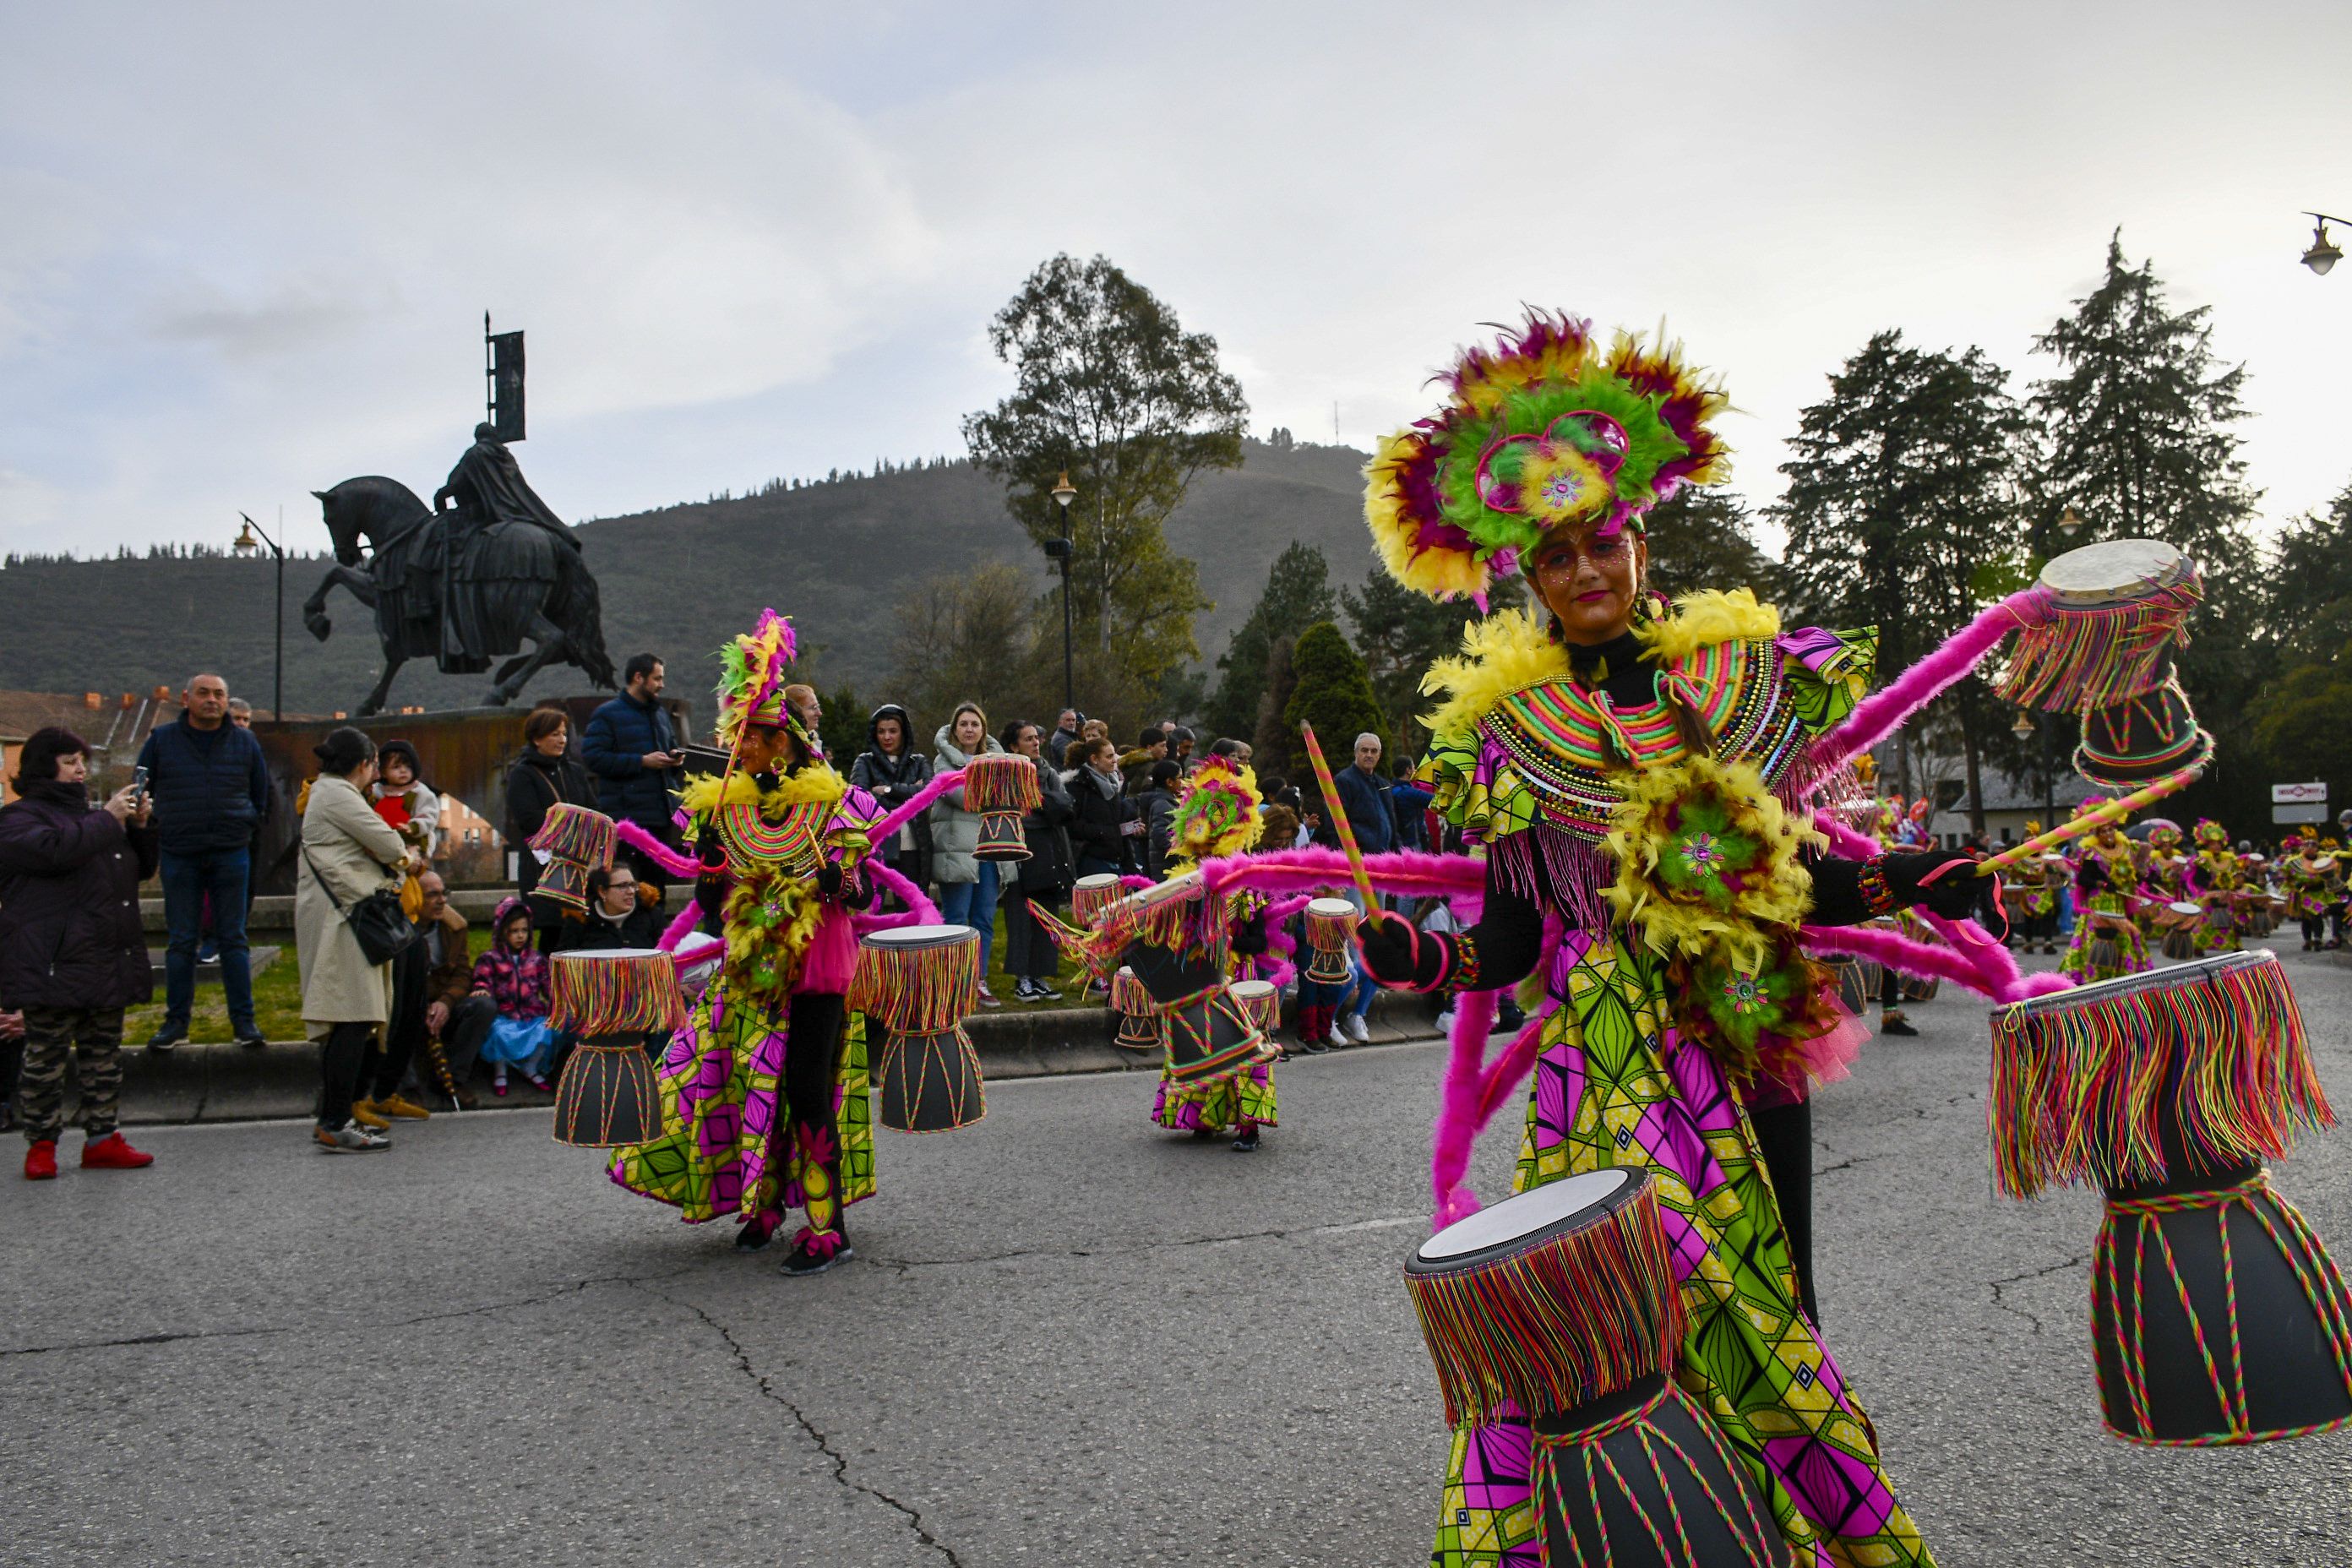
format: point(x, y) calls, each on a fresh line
point(836, 554)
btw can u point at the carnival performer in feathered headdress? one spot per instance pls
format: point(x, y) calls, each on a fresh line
point(2031, 890)
point(763, 1094)
point(1216, 813)
point(1632, 768)
point(2107, 941)
point(2221, 884)
point(2314, 880)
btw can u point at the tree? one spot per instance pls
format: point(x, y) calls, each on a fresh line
point(1699, 538)
point(2300, 721)
point(1402, 634)
point(1298, 594)
point(971, 639)
point(1334, 694)
point(1903, 505)
point(1274, 744)
point(1112, 390)
point(842, 724)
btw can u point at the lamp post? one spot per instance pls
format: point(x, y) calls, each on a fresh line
point(1064, 493)
point(2324, 252)
point(246, 546)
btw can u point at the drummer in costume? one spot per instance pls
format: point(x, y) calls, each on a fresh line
point(764, 1102)
point(2313, 879)
point(2031, 886)
point(2107, 877)
point(1217, 814)
point(2168, 877)
point(2222, 878)
point(1621, 762)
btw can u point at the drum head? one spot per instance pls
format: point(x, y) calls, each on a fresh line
point(2183, 907)
point(1331, 909)
point(1522, 1218)
point(919, 936)
point(2115, 571)
point(604, 955)
point(1251, 990)
point(1100, 880)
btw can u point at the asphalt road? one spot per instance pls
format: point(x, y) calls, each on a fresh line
point(1067, 1339)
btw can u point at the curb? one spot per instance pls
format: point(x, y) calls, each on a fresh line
point(279, 1082)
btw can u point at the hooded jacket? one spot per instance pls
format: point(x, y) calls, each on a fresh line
point(70, 935)
point(895, 781)
point(955, 832)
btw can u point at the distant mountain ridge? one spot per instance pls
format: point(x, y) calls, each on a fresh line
point(836, 555)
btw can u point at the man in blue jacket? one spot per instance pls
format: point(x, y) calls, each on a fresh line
point(210, 786)
point(630, 747)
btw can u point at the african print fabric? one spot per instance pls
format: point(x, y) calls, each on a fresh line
point(1619, 1085)
point(724, 1149)
point(2103, 956)
point(1218, 1104)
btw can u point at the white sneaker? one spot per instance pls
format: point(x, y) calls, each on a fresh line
point(1354, 1024)
point(1445, 1022)
point(350, 1137)
point(1338, 1042)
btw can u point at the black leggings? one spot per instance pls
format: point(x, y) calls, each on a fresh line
point(340, 1065)
point(1784, 1138)
point(1890, 986)
point(811, 1059)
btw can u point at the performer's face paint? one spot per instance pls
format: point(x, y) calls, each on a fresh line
point(1589, 578)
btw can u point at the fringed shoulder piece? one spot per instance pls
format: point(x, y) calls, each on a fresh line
point(1705, 618)
point(1502, 654)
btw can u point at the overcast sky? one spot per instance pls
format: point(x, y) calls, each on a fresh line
point(245, 250)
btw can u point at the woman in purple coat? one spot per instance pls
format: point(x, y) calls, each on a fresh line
point(73, 951)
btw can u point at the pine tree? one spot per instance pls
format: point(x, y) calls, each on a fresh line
point(1402, 634)
point(1700, 537)
point(1298, 594)
point(1903, 508)
point(1274, 744)
point(1334, 693)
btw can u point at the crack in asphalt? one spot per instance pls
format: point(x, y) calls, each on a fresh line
point(902, 1265)
point(271, 1331)
point(839, 1460)
point(1999, 1301)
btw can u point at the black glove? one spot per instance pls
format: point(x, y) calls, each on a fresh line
point(710, 885)
point(1249, 937)
point(828, 881)
point(1397, 955)
point(1917, 876)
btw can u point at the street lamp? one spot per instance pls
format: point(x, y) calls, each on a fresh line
point(2024, 725)
point(247, 546)
point(2069, 522)
point(2324, 252)
point(1064, 493)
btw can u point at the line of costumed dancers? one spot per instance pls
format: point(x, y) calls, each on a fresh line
point(1670, 838)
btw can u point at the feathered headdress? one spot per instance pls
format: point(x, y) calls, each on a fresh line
point(752, 676)
point(1216, 812)
point(2211, 834)
point(1544, 430)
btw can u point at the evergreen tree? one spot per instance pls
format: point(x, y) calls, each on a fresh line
point(842, 723)
point(2138, 427)
point(1113, 392)
point(1402, 634)
point(1903, 490)
point(1274, 744)
point(1334, 694)
point(2301, 718)
point(1700, 537)
point(1298, 594)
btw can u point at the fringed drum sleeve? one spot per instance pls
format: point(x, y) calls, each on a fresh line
point(1570, 1318)
point(2078, 1089)
point(2093, 657)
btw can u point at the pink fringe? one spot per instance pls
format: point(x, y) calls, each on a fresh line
point(920, 911)
point(1974, 960)
point(1879, 715)
point(1405, 871)
point(681, 927)
point(941, 784)
point(676, 862)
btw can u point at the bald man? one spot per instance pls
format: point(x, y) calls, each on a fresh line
point(210, 785)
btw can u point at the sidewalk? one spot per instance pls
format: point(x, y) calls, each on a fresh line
point(281, 1080)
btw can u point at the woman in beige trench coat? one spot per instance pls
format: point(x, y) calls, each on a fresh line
point(349, 851)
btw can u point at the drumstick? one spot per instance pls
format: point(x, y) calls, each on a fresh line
point(1339, 822)
point(2114, 811)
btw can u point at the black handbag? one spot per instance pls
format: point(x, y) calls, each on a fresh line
point(378, 923)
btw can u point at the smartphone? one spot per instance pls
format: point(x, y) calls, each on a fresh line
point(139, 783)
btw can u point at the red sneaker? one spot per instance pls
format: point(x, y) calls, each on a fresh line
point(112, 1153)
point(41, 1161)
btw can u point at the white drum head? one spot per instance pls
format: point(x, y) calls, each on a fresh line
point(1100, 880)
point(1526, 1214)
point(920, 936)
point(2114, 570)
point(1330, 909)
point(1250, 990)
point(2183, 907)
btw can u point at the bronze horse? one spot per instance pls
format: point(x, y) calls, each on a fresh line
point(518, 583)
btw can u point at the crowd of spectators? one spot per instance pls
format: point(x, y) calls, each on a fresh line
point(453, 1005)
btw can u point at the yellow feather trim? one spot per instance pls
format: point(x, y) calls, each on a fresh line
point(1705, 618)
point(1442, 573)
point(1777, 893)
point(816, 782)
point(1506, 652)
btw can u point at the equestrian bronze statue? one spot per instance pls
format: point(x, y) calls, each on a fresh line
point(467, 581)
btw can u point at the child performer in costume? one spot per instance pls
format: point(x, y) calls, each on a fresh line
point(2107, 941)
point(2221, 880)
point(1626, 768)
point(1217, 814)
point(763, 1108)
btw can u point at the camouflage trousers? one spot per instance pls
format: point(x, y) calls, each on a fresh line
point(49, 1034)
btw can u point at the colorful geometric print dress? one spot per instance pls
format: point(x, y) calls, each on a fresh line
point(1244, 1094)
point(726, 1148)
point(2107, 941)
point(1535, 764)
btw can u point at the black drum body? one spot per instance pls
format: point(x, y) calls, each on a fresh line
point(608, 1098)
point(1597, 1479)
point(1177, 979)
point(1000, 838)
point(1208, 1036)
point(931, 1083)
